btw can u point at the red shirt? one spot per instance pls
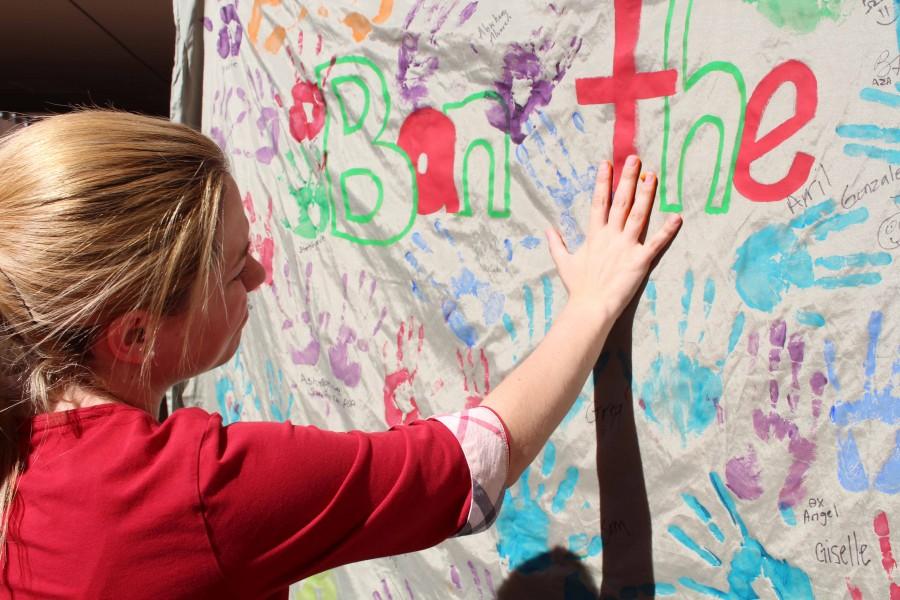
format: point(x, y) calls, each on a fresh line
point(113, 504)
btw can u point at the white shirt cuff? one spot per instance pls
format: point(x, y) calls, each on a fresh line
point(485, 443)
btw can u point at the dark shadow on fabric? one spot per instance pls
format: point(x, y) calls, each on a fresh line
point(557, 574)
point(624, 508)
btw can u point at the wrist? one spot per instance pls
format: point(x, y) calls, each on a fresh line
point(592, 316)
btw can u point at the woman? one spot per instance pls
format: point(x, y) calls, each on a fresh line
point(125, 268)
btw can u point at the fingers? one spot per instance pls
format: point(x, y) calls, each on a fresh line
point(602, 192)
point(643, 204)
point(661, 238)
point(624, 196)
point(559, 253)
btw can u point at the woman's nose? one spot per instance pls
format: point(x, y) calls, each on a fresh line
point(255, 274)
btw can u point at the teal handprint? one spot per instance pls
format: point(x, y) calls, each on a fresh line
point(680, 393)
point(877, 403)
point(750, 564)
point(777, 257)
point(872, 140)
point(235, 389)
point(237, 397)
point(524, 522)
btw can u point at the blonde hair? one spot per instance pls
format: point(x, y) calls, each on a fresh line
point(101, 212)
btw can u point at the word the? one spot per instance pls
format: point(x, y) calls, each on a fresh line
point(891, 176)
point(626, 86)
point(816, 512)
point(495, 26)
point(850, 554)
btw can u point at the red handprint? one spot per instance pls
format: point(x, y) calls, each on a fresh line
point(883, 531)
point(400, 406)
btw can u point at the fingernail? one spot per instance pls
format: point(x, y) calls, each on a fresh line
point(647, 178)
point(631, 161)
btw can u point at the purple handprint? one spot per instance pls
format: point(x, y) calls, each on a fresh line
point(783, 421)
point(351, 336)
point(414, 66)
point(231, 33)
point(307, 351)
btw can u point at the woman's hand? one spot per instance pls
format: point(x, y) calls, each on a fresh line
point(603, 275)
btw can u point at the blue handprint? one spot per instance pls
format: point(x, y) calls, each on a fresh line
point(570, 184)
point(750, 563)
point(281, 399)
point(776, 258)
point(463, 284)
point(680, 394)
point(875, 404)
point(235, 390)
point(884, 65)
point(528, 297)
point(524, 521)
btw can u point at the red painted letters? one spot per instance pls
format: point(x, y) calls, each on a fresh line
point(752, 148)
point(626, 86)
point(428, 136)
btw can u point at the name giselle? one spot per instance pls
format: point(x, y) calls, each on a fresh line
point(851, 553)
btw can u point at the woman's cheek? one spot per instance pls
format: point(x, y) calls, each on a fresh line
point(237, 304)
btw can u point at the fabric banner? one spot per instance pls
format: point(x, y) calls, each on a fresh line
point(399, 162)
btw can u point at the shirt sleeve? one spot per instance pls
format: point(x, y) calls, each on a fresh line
point(281, 502)
point(484, 440)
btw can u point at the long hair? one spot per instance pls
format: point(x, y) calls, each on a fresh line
point(101, 212)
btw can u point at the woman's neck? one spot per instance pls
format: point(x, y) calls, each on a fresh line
point(75, 397)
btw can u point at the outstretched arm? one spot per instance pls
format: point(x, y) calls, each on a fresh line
point(601, 279)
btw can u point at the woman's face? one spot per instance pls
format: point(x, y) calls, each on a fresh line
point(213, 334)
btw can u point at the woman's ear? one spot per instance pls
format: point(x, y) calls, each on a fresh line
point(126, 338)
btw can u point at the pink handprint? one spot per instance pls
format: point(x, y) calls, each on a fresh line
point(468, 368)
point(882, 528)
point(261, 244)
